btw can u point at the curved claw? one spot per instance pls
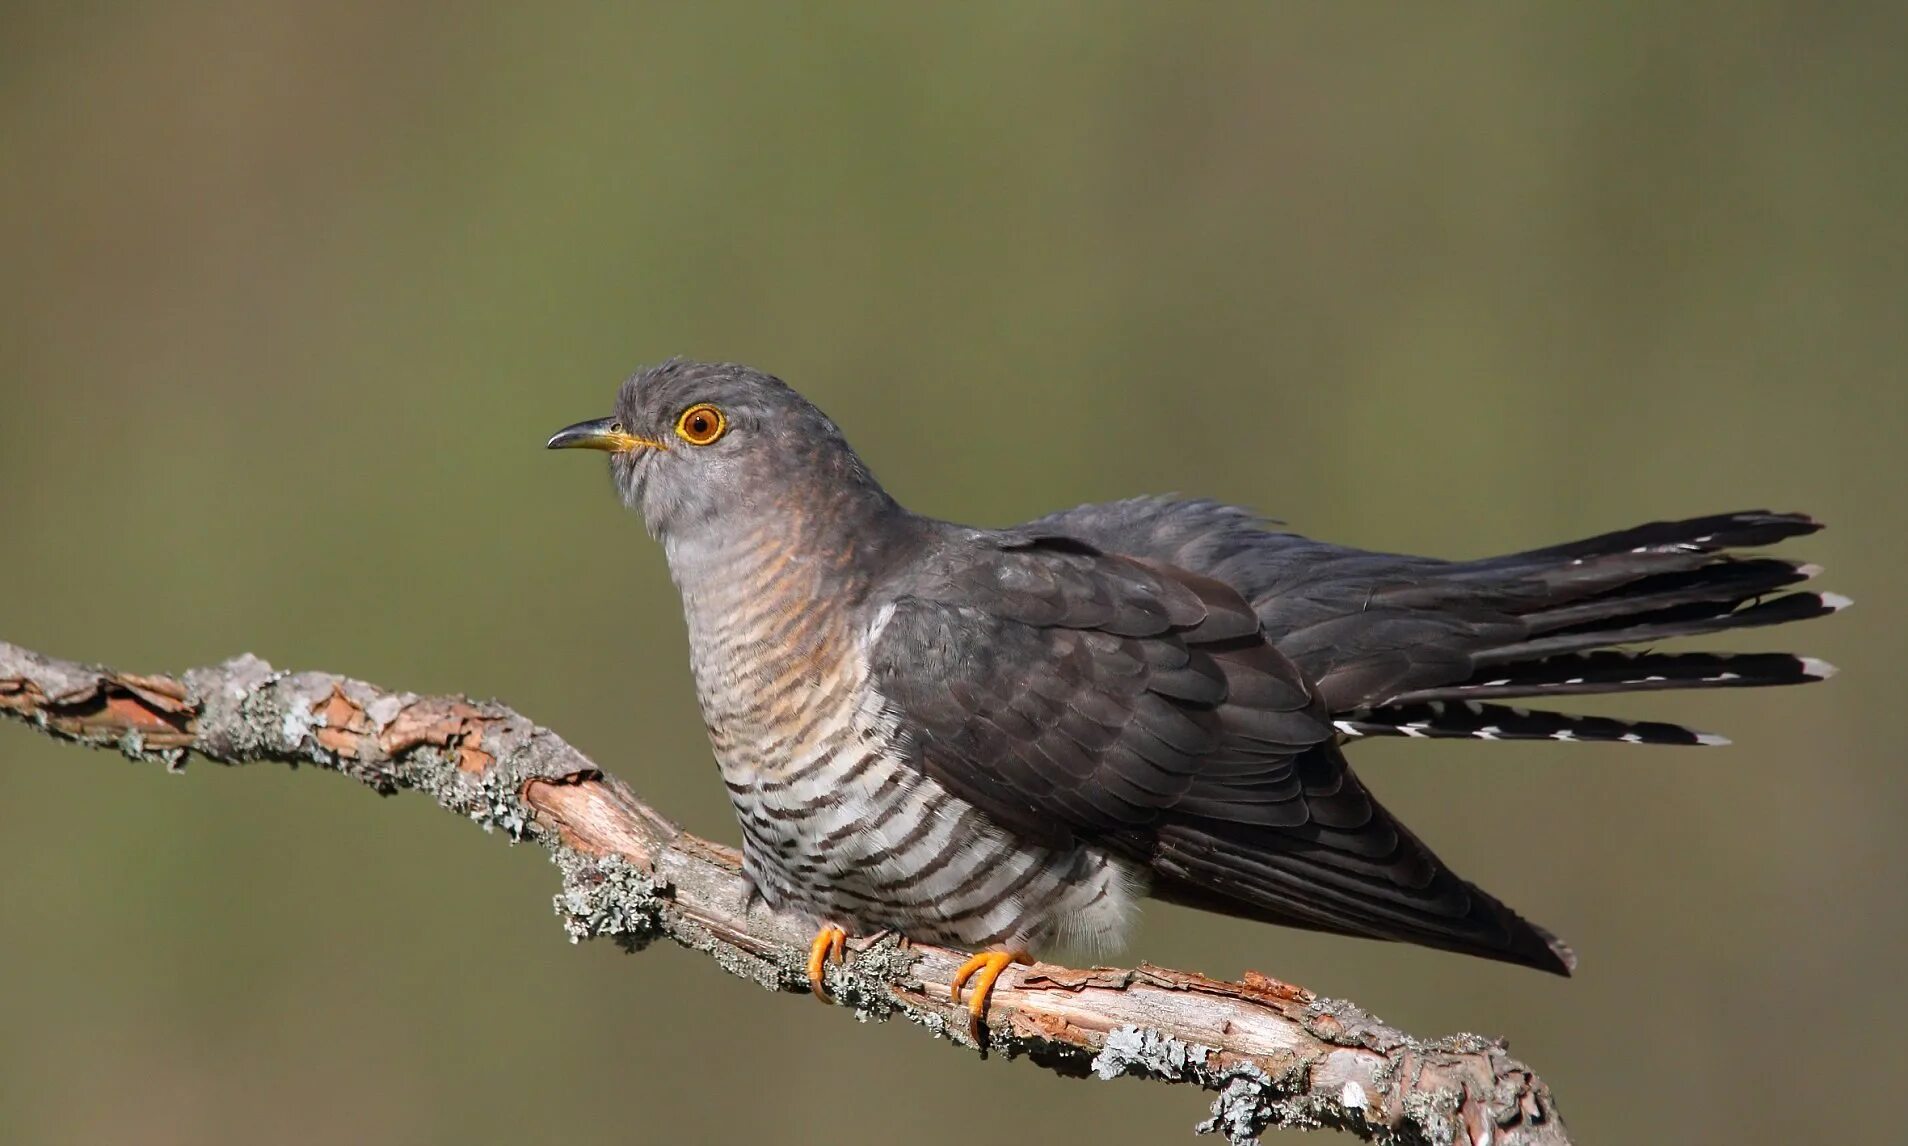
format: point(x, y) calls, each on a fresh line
point(984, 968)
point(829, 943)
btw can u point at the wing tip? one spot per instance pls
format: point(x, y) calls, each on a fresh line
point(1562, 958)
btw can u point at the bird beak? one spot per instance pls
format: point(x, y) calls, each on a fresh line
point(602, 434)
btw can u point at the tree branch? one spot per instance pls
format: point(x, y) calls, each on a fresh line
point(1275, 1054)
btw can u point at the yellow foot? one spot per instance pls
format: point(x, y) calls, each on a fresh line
point(983, 968)
point(827, 945)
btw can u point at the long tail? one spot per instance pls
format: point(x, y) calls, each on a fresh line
point(1579, 602)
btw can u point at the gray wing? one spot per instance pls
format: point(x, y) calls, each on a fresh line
point(1076, 696)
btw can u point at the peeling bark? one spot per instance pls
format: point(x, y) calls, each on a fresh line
point(1276, 1055)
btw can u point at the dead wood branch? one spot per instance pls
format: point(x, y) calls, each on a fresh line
point(1275, 1054)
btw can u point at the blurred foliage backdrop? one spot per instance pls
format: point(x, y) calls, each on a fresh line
point(290, 296)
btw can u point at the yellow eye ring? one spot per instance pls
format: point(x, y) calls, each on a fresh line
point(701, 424)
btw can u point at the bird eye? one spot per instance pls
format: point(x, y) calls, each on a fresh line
point(701, 425)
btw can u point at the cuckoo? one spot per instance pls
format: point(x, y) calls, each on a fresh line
point(1000, 740)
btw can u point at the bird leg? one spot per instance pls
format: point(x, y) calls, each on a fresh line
point(829, 944)
point(984, 967)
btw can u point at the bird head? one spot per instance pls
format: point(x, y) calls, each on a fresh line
point(699, 448)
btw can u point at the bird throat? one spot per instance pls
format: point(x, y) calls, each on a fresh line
point(773, 625)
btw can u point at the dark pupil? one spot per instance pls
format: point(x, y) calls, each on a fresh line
point(699, 425)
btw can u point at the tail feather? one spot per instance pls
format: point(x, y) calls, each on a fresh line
point(1722, 585)
point(1676, 621)
point(1614, 670)
point(1579, 607)
point(1475, 720)
point(1745, 529)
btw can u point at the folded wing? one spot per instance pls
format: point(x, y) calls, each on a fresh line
point(1077, 696)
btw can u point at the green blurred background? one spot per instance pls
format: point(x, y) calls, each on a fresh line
point(290, 297)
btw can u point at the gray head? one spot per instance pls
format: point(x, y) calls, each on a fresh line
point(698, 447)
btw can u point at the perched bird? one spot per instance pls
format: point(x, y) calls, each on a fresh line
point(1001, 739)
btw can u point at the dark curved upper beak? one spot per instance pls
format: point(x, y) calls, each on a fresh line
point(602, 434)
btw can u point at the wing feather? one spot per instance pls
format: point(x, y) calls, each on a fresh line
point(1076, 696)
